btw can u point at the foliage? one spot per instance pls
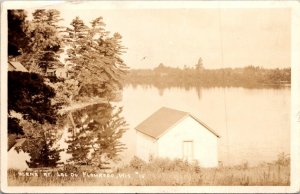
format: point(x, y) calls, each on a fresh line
point(42, 143)
point(13, 126)
point(283, 159)
point(95, 59)
point(31, 97)
point(42, 149)
point(163, 76)
point(17, 39)
point(137, 163)
point(97, 70)
point(44, 46)
point(95, 62)
point(107, 145)
point(163, 165)
point(199, 65)
point(96, 137)
point(260, 175)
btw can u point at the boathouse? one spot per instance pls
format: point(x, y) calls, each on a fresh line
point(170, 133)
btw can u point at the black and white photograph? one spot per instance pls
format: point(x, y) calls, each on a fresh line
point(156, 95)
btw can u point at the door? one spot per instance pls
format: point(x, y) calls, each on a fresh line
point(188, 150)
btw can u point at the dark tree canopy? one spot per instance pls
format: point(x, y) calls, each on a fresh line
point(30, 96)
point(17, 39)
point(14, 126)
point(97, 71)
point(41, 147)
point(27, 92)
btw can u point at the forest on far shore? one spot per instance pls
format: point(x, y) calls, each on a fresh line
point(198, 76)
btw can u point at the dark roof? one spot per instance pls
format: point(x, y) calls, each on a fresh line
point(18, 143)
point(16, 66)
point(163, 119)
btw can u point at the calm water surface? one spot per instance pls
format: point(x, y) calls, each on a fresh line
point(254, 124)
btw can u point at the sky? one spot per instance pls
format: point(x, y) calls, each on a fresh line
point(180, 36)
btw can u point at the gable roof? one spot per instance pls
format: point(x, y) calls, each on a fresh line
point(18, 143)
point(163, 119)
point(16, 66)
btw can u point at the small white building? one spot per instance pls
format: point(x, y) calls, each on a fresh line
point(17, 159)
point(59, 72)
point(170, 133)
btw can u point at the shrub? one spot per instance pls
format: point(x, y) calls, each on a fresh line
point(166, 164)
point(283, 159)
point(69, 168)
point(137, 163)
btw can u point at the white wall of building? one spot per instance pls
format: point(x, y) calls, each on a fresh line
point(17, 160)
point(205, 145)
point(145, 146)
point(170, 144)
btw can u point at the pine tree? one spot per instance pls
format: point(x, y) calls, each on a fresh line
point(41, 146)
point(107, 145)
point(45, 41)
point(95, 58)
point(199, 65)
point(79, 142)
point(31, 94)
point(76, 44)
point(96, 137)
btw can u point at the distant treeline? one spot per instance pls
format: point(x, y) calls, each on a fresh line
point(249, 77)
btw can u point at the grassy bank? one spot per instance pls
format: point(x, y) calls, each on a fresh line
point(160, 172)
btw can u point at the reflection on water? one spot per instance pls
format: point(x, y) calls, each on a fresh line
point(186, 88)
point(94, 135)
point(254, 125)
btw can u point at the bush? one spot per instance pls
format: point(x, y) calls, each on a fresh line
point(161, 164)
point(137, 163)
point(283, 159)
point(164, 165)
point(69, 168)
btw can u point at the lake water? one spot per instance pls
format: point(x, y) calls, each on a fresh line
point(254, 124)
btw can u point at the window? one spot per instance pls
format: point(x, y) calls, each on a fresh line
point(188, 150)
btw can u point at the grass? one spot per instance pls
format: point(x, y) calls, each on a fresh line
point(158, 172)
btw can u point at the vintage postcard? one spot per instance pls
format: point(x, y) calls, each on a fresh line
point(150, 96)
